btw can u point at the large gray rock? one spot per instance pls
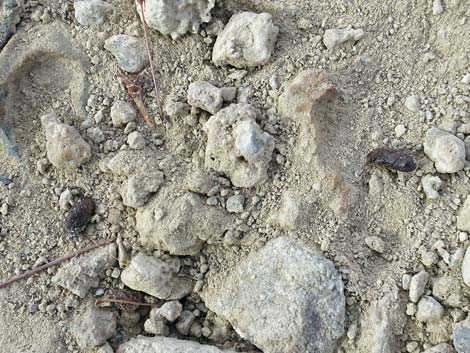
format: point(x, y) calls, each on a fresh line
point(237, 146)
point(160, 344)
point(445, 150)
point(284, 298)
point(429, 309)
point(92, 12)
point(156, 277)
point(461, 336)
point(129, 51)
point(10, 16)
point(94, 327)
point(463, 218)
point(180, 227)
point(176, 17)
point(65, 147)
point(85, 272)
point(247, 40)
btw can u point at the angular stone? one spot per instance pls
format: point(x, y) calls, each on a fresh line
point(445, 150)
point(247, 40)
point(440, 348)
point(92, 12)
point(237, 146)
point(129, 51)
point(94, 327)
point(65, 147)
point(161, 344)
point(155, 277)
point(176, 17)
point(283, 298)
point(337, 36)
point(466, 267)
point(461, 336)
point(429, 309)
point(137, 189)
point(10, 16)
point(85, 272)
point(122, 113)
point(206, 96)
point(463, 217)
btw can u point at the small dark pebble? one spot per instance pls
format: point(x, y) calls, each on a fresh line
point(79, 216)
point(5, 180)
point(394, 159)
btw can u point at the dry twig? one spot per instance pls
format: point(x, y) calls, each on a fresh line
point(54, 263)
point(123, 301)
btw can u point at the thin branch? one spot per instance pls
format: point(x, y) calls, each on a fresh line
point(54, 263)
point(149, 54)
point(123, 301)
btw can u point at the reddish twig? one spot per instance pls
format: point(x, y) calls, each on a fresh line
point(149, 54)
point(54, 263)
point(135, 92)
point(123, 301)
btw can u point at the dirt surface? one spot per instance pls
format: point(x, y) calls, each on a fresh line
point(406, 51)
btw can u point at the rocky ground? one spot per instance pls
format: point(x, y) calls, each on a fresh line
point(307, 189)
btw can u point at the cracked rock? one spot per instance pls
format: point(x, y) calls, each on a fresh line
point(463, 217)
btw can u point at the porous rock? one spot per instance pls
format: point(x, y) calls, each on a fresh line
point(337, 36)
point(85, 272)
point(237, 146)
point(247, 40)
point(129, 51)
point(10, 16)
point(463, 217)
point(155, 277)
point(461, 336)
point(136, 190)
point(92, 12)
point(65, 147)
point(176, 17)
point(431, 185)
point(206, 96)
point(179, 227)
point(159, 344)
point(445, 150)
point(285, 298)
point(94, 327)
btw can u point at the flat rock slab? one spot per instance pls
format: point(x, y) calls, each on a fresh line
point(284, 298)
point(161, 344)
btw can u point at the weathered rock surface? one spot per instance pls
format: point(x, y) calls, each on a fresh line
point(466, 267)
point(176, 17)
point(10, 16)
point(85, 272)
point(156, 277)
point(237, 146)
point(283, 298)
point(138, 188)
point(206, 96)
point(463, 217)
point(309, 100)
point(445, 150)
point(440, 348)
point(122, 113)
point(129, 51)
point(92, 12)
point(461, 336)
point(382, 324)
point(431, 185)
point(160, 344)
point(94, 327)
point(337, 36)
point(65, 147)
point(180, 227)
point(429, 309)
point(247, 40)
point(417, 285)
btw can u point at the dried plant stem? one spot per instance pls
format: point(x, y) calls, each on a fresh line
point(54, 263)
point(123, 301)
point(152, 69)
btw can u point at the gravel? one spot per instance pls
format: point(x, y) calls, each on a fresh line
point(122, 113)
point(417, 285)
point(206, 96)
point(235, 203)
point(336, 36)
point(136, 140)
point(92, 12)
point(466, 267)
point(463, 217)
point(429, 309)
point(129, 51)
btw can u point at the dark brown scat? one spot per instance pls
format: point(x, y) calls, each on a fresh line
point(79, 216)
point(393, 159)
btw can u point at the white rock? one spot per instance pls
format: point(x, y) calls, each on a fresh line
point(412, 103)
point(106, 348)
point(431, 185)
point(247, 40)
point(417, 285)
point(337, 36)
point(170, 310)
point(445, 150)
point(429, 309)
point(466, 79)
point(278, 294)
point(155, 277)
point(65, 147)
point(237, 146)
point(136, 140)
point(156, 326)
point(206, 96)
point(440, 348)
point(375, 243)
point(463, 218)
point(400, 130)
point(130, 52)
point(122, 113)
point(176, 17)
point(235, 203)
point(159, 344)
point(466, 267)
point(437, 8)
point(92, 12)
point(65, 199)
